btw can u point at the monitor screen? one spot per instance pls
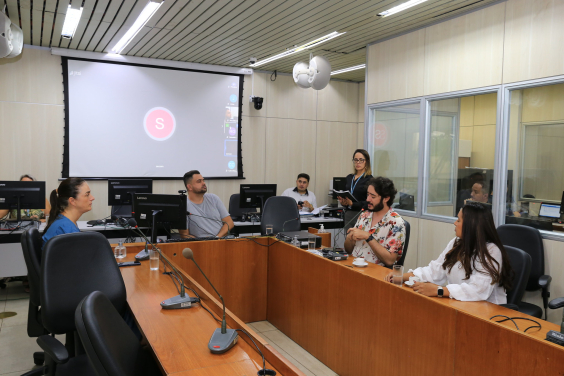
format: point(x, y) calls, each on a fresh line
point(549, 210)
point(120, 191)
point(26, 194)
point(172, 210)
point(255, 195)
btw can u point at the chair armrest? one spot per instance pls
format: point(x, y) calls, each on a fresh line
point(544, 281)
point(53, 349)
point(514, 307)
point(556, 303)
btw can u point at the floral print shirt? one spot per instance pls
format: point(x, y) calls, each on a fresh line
point(389, 232)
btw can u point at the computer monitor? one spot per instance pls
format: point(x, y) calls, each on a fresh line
point(562, 204)
point(120, 194)
point(255, 195)
point(22, 195)
point(549, 210)
point(153, 210)
point(339, 184)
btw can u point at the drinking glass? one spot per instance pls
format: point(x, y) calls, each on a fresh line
point(397, 274)
point(153, 259)
point(311, 244)
point(269, 230)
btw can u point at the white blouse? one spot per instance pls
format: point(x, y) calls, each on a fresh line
point(477, 287)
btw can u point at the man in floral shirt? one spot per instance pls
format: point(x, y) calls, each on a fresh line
point(379, 233)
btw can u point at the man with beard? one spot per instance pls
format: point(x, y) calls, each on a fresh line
point(217, 220)
point(379, 233)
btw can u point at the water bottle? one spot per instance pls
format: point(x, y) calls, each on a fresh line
point(120, 251)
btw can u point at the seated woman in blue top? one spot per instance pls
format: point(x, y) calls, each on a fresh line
point(68, 203)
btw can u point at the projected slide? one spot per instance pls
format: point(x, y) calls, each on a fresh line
point(137, 121)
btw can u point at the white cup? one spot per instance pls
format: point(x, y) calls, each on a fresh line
point(359, 260)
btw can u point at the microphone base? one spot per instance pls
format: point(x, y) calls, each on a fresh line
point(179, 302)
point(142, 256)
point(220, 343)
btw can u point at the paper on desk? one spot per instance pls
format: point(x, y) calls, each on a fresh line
point(314, 212)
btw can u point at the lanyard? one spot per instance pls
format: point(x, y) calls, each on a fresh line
point(353, 184)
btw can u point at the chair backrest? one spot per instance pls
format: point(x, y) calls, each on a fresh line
point(111, 346)
point(521, 264)
point(72, 266)
point(235, 211)
point(31, 246)
point(529, 240)
point(407, 234)
point(281, 212)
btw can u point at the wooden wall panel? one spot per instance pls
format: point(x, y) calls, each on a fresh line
point(433, 238)
point(360, 136)
point(35, 76)
point(534, 35)
point(395, 68)
point(338, 102)
point(290, 150)
point(335, 160)
point(288, 101)
point(465, 52)
point(361, 101)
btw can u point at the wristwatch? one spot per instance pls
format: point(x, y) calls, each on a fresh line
point(440, 292)
point(370, 238)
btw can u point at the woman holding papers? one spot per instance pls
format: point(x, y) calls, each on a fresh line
point(474, 265)
point(356, 185)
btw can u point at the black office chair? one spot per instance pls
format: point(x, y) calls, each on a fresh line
point(529, 240)
point(521, 264)
point(235, 211)
point(555, 304)
point(282, 213)
point(407, 234)
point(73, 266)
point(31, 245)
point(111, 346)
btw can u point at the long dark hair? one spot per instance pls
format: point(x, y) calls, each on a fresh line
point(59, 198)
point(478, 229)
point(367, 168)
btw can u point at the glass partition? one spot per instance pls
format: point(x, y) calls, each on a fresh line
point(393, 145)
point(535, 155)
point(461, 156)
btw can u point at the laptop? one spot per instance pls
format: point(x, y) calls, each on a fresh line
point(549, 211)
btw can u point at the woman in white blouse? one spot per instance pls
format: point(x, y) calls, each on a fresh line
point(474, 266)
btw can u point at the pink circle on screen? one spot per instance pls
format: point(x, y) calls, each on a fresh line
point(159, 123)
point(380, 134)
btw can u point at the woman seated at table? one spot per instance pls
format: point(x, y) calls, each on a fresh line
point(26, 213)
point(474, 265)
point(68, 203)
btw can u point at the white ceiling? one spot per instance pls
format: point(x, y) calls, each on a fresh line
point(229, 32)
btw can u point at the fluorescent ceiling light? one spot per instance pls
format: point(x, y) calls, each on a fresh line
point(400, 7)
point(361, 66)
point(71, 22)
point(145, 15)
point(292, 51)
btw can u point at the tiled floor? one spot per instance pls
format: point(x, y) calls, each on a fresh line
point(16, 348)
point(291, 350)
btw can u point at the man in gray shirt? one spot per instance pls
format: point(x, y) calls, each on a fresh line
point(202, 204)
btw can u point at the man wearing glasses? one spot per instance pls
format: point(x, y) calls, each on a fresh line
point(301, 194)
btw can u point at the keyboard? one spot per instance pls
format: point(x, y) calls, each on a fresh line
point(181, 240)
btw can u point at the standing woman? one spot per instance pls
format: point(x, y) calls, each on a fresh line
point(356, 185)
point(68, 203)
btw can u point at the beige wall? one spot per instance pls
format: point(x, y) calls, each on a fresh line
point(512, 41)
point(296, 131)
point(477, 124)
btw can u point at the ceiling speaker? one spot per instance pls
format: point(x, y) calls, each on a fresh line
point(316, 75)
point(11, 37)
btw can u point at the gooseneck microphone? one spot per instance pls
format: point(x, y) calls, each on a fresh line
point(211, 219)
point(289, 220)
point(178, 301)
point(222, 338)
point(144, 254)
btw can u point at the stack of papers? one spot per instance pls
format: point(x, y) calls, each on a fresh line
point(314, 212)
